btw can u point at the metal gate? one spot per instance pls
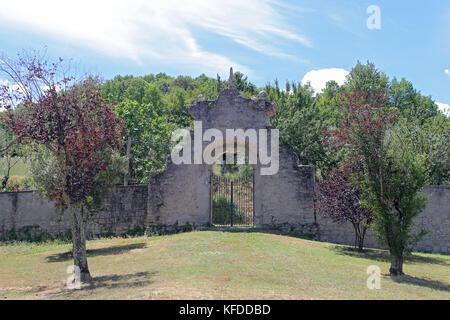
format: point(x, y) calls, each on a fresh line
point(232, 201)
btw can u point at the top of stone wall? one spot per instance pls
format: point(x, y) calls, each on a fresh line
point(232, 110)
point(435, 186)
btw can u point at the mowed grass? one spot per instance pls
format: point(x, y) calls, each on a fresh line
point(216, 265)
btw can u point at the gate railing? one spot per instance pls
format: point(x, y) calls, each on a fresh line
point(232, 201)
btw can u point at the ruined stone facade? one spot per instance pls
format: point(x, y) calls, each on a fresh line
point(181, 194)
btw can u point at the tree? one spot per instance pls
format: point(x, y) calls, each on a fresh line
point(300, 124)
point(392, 174)
point(11, 152)
point(339, 200)
point(242, 84)
point(435, 143)
point(328, 103)
point(367, 78)
point(136, 89)
point(410, 103)
point(150, 134)
point(78, 129)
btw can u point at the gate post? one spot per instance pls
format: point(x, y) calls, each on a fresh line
point(211, 186)
point(231, 205)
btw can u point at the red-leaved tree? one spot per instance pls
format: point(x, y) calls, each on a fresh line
point(72, 121)
point(339, 200)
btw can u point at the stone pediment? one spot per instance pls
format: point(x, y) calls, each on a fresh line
point(232, 110)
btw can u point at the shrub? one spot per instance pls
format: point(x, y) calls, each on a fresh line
point(18, 183)
point(221, 212)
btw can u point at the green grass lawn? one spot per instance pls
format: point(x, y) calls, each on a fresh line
point(216, 265)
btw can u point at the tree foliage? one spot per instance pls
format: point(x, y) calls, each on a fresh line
point(11, 153)
point(152, 106)
point(339, 200)
point(392, 172)
point(76, 127)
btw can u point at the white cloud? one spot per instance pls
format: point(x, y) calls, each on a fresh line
point(447, 72)
point(319, 78)
point(445, 108)
point(159, 30)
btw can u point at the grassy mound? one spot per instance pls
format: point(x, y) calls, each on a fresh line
point(216, 265)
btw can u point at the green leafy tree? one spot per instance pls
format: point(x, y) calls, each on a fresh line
point(435, 143)
point(410, 103)
point(367, 78)
point(150, 135)
point(136, 90)
point(392, 170)
point(328, 102)
point(300, 124)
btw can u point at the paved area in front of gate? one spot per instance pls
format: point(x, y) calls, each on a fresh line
point(216, 265)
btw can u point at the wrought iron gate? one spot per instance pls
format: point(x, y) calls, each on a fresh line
point(232, 201)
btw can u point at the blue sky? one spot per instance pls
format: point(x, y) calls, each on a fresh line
point(266, 39)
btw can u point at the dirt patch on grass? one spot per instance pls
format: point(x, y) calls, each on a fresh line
point(140, 250)
point(42, 291)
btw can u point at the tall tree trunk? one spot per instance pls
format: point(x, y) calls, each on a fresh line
point(359, 235)
point(361, 239)
point(79, 243)
point(396, 266)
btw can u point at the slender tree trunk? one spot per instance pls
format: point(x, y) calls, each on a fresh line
point(6, 177)
point(396, 266)
point(359, 236)
point(79, 243)
point(361, 239)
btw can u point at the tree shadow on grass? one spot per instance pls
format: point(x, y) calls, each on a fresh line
point(275, 231)
point(383, 256)
point(115, 281)
point(432, 284)
point(139, 279)
point(65, 256)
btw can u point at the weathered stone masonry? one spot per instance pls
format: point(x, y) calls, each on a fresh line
point(435, 219)
point(23, 215)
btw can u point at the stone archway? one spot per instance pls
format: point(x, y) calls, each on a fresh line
point(180, 195)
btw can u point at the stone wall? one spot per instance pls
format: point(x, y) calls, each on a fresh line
point(435, 218)
point(23, 215)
